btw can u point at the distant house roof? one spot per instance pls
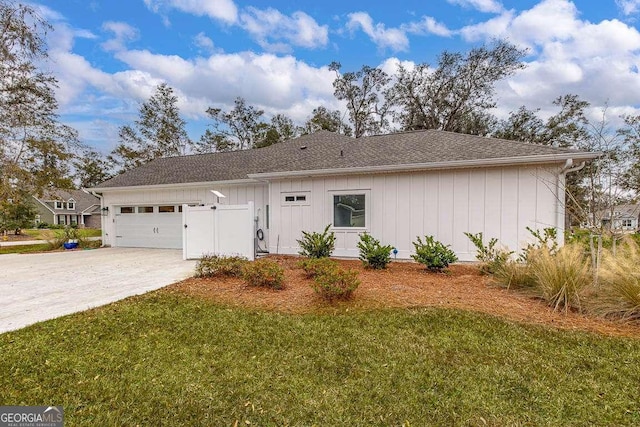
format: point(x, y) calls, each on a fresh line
point(83, 201)
point(327, 151)
point(628, 211)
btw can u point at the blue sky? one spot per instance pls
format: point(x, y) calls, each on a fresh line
point(109, 55)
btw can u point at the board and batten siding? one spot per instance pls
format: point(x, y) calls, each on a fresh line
point(500, 202)
point(236, 194)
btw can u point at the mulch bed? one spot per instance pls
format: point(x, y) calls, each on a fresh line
point(401, 285)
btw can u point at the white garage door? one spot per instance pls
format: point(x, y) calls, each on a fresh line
point(149, 226)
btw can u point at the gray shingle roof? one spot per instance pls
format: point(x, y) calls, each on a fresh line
point(82, 199)
point(327, 150)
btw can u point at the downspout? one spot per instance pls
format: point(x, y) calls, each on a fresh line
point(560, 210)
point(102, 225)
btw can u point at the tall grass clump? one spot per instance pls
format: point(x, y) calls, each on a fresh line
point(618, 292)
point(514, 275)
point(562, 277)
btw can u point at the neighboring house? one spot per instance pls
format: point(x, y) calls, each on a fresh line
point(623, 218)
point(396, 187)
point(68, 207)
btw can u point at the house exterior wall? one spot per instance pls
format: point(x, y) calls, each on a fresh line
point(186, 194)
point(45, 214)
point(500, 202)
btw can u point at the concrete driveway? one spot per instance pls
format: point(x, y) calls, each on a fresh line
point(36, 287)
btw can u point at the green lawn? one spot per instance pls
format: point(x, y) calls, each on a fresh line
point(24, 249)
point(164, 359)
point(46, 234)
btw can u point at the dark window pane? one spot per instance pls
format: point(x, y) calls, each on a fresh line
point(301, 198)
point(349, 210)
point(126, 209)
point(289, 199)
point(166, 209)
point(145, 209)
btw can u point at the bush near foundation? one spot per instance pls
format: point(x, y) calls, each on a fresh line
point(315, 266)
point(317, 245)
point(264, 273)
point(372, 253)
point(220, 265)
point(433, 254)
point(336, 284)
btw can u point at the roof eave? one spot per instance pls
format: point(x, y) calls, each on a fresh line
point(174, 185)
point(456, 164)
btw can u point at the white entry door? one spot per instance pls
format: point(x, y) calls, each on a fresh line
point(146, 226)
point(218, 229)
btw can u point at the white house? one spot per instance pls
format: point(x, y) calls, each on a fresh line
point(624, 218)
point(396, 187)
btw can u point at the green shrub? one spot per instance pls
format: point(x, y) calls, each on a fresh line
point(372, 253)
point(316, 266)
point(562, 277)
point(220, 265)
point(492, 258)
point(545, 239)
point(317, 245)
point(433, 254)
point(336, 284)
point(264, 273)
point(618, 293)
point(514, 275)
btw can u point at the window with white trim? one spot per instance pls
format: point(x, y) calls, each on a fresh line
point(627, 223)
point(349, 209)
point(57, 204)
point(298, 198)
point(127, 210)
point(71, 204)
point(145, 209)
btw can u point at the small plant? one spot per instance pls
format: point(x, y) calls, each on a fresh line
point(618, 295)
point(317, 245)
point(372, 253)
point(562, 277)
point(316, 266)
point(336, 284)
point(263, 273)
point(220, 265)
point(71, 234)
point(548, 239)
point(492, 258)
point(433, 254)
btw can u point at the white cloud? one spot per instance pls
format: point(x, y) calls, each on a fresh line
point(598, 61)
point(392, 38)
point(122, 33)
point(628, 7)
point(487, 6)
point(269, 25)
point(222, 10)
point(204, 42)
point(428, 25)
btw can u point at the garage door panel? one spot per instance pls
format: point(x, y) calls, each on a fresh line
point(149, 230)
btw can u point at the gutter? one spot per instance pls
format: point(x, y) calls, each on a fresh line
point(456, 164)
point(560, 210)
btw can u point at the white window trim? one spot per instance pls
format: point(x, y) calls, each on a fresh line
point(71, 205)
point(58, 204)
point(295, 194)
point(367, 208)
